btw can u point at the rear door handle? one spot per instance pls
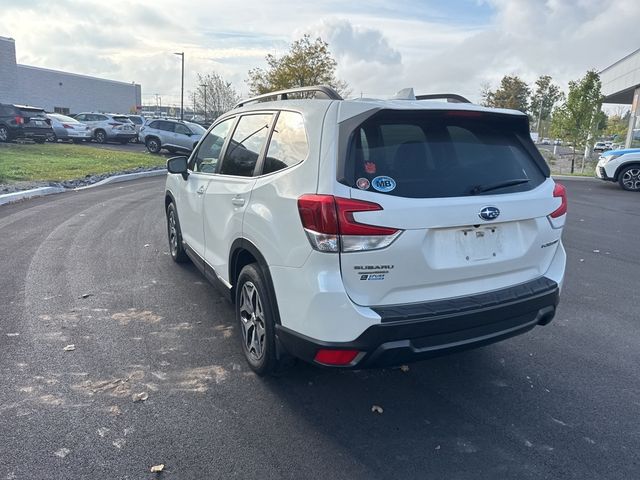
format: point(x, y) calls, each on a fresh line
point(238, 201)
point(201, 190)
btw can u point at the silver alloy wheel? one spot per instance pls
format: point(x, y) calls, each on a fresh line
point(173, 233)
point(252, 320)
point(631, 179)
point(4, 134)
point(153, 146)
point(100, 137)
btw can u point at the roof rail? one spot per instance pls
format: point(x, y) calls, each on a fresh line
point(450, 97)
point(324, 91)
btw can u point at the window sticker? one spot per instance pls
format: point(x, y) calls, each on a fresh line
point(370, 168)
point(363, 183)
point(383, 183)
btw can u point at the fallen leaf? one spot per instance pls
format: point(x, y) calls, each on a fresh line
point(438, 447)
point(582, 259)
point(404, 368)
point(69, 348)
point(147, 245)
point(140, 397)
point(596, 251)
point(12, 334)
point(86, 295)
point(377, 409)
point(157, 468)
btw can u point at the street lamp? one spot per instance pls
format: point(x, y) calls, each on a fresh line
point(182, 87)
point(204, 85)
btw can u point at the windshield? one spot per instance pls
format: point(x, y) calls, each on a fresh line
point(431, 154)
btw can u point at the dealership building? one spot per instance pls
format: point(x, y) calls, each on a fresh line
point(621, 85)
point(62, 92)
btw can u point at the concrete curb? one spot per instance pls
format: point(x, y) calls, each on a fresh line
point(124, 177)
point(25, 194)
point(42, 191)
point(573, 177)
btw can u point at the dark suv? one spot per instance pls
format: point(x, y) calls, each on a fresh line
point(19, 121)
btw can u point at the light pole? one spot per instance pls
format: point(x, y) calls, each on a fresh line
point(182, 87)
point(204, 85)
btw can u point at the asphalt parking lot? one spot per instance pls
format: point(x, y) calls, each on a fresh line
point(92, 269)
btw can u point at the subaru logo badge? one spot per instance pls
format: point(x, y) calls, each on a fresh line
point(489, 213)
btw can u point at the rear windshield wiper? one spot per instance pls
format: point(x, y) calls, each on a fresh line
point(495, 186)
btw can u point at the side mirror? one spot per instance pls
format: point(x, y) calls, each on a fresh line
point(178, 165)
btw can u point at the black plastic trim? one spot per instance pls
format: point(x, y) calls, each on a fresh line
point(455, 306)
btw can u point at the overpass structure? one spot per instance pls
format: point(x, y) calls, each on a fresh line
point(621, 84)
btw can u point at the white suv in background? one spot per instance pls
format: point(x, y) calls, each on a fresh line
point(622, 166)
point(108, 127)
point(361, 233)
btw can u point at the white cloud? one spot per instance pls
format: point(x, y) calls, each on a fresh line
point(378, 52)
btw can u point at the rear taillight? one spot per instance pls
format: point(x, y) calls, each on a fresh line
point(19, 120)
point(66, 125)
point(331, 227)
point(335, 357)
point(560, 192)
point(557, 217)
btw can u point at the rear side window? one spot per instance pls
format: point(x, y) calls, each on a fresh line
point(246, 145)
point(121, 119)
point(288, 145)
point(422, 154)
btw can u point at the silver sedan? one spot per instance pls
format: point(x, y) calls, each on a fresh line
point(67, 128)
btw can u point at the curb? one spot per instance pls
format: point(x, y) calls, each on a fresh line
point(123, 178)
point(26, 194)
point(42, 191)
point(574, 177)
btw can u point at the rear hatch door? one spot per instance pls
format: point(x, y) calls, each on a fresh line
point(469, 194)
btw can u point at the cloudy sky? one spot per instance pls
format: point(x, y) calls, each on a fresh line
point(381, 46)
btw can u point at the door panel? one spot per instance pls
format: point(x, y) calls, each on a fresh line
point(190, 210)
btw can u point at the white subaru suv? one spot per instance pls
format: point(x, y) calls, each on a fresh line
point(363, 233)
point(622, 166)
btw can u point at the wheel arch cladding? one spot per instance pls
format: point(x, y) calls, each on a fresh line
point(243, 253)
point(633, 163)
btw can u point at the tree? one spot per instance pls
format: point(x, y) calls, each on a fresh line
point(579, 118)
point(543, 99)
point(618, 125)
point(307, 63)
point(513, 93)
point(220, 96)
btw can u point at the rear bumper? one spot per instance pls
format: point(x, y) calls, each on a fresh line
point(419, 331)
point(31, 132)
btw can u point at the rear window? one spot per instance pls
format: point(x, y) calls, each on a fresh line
point(32, 112)
point(136, 120)
point(121, 119)
point(420, 154)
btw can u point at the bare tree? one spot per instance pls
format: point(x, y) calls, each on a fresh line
point(219, 94)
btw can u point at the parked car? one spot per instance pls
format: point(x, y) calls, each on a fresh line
point(68, 129)
point(21, 121)
point(108, 127)
point(557, 142)
point(137, 121)
point(622, 166)
point(172, 135)
point(546, 141)
point(600, 147)
point(366, 233)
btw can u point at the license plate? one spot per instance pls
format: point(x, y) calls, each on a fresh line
point(479, 243)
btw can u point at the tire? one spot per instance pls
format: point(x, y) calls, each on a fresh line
point(629, 178)
point(100, 136)
point(174, 235)
point(255, 317)
point(4, 134)
point(40, 140)
point(153, 145)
